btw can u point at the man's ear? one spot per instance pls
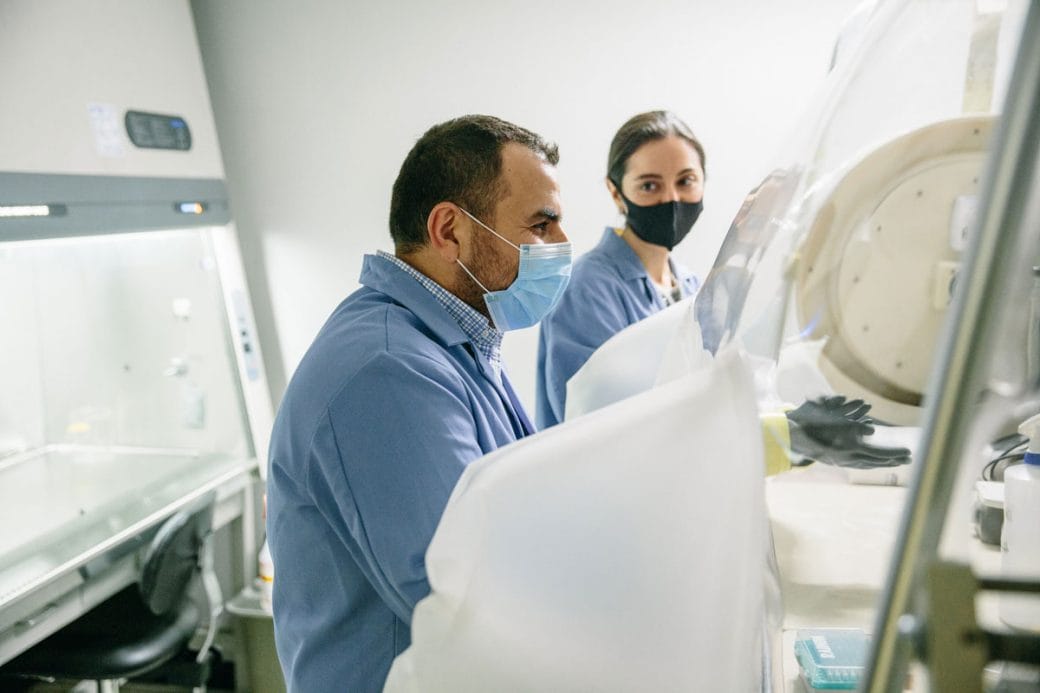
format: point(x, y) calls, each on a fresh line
point(443, 228)
point(615, 194)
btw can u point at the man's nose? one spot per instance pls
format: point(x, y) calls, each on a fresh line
point(560, 236)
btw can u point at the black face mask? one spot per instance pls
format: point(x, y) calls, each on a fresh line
point(664, 224)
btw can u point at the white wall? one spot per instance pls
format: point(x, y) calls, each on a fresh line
point(317, 103)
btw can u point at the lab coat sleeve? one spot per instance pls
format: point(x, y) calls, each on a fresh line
point(590, 312)
point(404, 431)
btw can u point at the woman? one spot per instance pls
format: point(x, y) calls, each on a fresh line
point(655, 175)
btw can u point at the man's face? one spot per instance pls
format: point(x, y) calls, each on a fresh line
point(529, 211)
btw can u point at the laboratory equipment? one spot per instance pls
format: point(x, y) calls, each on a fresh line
point(831, 659)
point(1020, 538)
point(878, 334)
point(266, 577)
point(892, 262)
point(841, 265)
point(890, 257)
point(989, 511)
point(133, 380)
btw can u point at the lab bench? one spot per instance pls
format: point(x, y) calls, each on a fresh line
point(834, 542)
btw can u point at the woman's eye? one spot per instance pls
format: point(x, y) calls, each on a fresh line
point(688, 181)
point(648, 186)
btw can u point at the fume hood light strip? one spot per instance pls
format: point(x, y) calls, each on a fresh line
point(31, 211)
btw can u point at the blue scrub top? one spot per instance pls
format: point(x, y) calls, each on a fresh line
point(386, 409)
point(609, 290)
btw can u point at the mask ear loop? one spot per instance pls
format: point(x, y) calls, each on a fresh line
point(489, 229)
point(478, 221)
point(471, 276)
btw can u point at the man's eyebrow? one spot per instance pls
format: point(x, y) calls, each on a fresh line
point(545, 213)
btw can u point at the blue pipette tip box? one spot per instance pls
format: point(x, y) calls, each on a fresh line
point(831, 659)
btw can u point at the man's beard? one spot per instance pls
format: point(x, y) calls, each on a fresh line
point(486, 265)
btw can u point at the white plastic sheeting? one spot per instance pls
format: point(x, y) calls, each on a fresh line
point(659, 349)
point(620, 551)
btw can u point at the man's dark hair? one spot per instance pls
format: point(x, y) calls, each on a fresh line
point(458, 161)
point(640, 129)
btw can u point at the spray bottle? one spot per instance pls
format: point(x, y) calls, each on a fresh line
point(265, 579)
point(1020, 539)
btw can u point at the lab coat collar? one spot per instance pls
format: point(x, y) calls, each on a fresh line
point(384, 276)
point(621, 254)
point(630, 267)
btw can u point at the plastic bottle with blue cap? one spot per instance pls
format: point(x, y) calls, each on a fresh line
point(1020, 539)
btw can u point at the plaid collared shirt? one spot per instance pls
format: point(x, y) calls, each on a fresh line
point(484, 336)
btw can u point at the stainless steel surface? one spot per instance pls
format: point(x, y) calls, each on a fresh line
point(95, 501)
point(70, 590)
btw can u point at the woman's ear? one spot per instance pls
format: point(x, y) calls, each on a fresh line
point(615, 195)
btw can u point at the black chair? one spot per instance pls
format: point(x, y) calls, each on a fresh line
point(147, 624)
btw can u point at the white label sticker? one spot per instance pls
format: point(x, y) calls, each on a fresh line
point(107, 128)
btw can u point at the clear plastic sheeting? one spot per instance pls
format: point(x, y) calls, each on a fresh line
point(619, 551)
point(855, 296)
point(852, 273)
point(842, 263)
point(668, 345)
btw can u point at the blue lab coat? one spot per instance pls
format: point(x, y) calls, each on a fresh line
point(385, 411)
point(608, 291)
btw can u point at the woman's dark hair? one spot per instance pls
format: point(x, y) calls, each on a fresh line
point(458, 161)
point(640, 129)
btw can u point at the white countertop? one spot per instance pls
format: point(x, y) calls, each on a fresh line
point(834, 543)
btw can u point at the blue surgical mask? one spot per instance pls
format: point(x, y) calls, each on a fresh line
point(545, 269)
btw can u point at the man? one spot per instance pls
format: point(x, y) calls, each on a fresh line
point(402, 389)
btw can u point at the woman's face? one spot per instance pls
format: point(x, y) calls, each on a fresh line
point(663, 170)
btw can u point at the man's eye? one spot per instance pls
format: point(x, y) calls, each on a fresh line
point(542, 227)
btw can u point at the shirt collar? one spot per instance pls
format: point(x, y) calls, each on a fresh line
point(484, 336)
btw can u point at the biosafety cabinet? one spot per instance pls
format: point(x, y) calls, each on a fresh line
point(132, 381)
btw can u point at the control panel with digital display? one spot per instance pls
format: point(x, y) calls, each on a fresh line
point(155, 131)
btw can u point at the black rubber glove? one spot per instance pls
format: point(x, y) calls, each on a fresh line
point(831, 430)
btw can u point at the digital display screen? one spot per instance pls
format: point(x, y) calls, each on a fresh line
point(156, 131)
